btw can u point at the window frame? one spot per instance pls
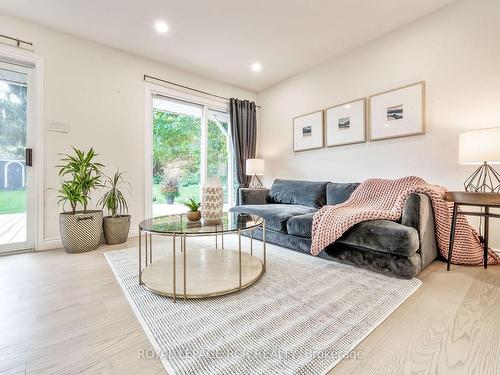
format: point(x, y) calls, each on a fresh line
point(207, 103)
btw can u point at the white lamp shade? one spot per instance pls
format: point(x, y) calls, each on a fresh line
point(255, 166)
point(479, 146)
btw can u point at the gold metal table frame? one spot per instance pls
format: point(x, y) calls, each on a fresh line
point(152, 267)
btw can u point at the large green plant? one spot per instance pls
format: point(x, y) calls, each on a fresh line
point(70, 192)
point(114, 199)
point(80, 175)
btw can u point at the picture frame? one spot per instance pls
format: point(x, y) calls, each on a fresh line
point(308, 131)
point(398, 112)
point(346, 123)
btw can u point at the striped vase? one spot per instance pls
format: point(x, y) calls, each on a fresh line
point(212, 201)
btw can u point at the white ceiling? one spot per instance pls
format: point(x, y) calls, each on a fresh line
point(220, 39)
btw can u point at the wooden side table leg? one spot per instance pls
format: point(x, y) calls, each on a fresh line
point(486, 230)
point(452, 234)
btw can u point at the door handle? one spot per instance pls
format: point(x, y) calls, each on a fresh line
point(29, 157)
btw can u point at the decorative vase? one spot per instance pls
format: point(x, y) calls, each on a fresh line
point(212, 201)
point(193, 215)
point(116, 229)
point(169, 199)
point(80, 232)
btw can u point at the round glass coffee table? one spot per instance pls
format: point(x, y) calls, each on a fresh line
point(199, 272)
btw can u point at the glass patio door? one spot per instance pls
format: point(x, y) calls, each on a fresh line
point(14, 166)
point(190, 144)
point(219, 153)
point(177, 128)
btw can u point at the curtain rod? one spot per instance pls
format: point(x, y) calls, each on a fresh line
point(187, 87)
point(18, 41)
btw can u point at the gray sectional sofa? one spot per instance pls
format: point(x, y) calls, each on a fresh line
point(399, 249)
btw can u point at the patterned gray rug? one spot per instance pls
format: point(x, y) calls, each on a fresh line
point(302, 317)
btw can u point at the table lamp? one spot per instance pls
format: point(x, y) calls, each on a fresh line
point(255, 168)
point(481, 147)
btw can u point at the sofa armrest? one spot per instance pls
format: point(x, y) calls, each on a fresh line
point(252, 196)
point(418, 213)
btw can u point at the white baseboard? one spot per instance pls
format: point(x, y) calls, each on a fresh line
point(50, 244)
point(56, 242)
point(134, 232)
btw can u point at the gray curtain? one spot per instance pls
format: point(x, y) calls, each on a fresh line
point(244, 135)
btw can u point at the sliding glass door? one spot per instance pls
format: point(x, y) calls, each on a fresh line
point(219, 154)
point(190, 143)
point(14, 168)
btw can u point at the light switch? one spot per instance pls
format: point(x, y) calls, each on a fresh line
point(59, 126)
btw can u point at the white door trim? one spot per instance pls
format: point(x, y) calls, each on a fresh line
point(36, 139)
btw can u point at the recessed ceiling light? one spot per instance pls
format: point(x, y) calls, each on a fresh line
point(161, 27)
point(256, 67)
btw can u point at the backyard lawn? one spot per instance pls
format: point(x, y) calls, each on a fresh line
point(12, 201)
point(185, 192)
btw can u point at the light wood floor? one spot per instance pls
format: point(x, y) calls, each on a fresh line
point(66, 314)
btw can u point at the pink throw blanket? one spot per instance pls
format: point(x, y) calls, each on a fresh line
point(384, 199)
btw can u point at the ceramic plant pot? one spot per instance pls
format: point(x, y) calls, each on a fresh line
point(193, 215)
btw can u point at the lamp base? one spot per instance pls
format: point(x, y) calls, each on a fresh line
point(256, 183)
point(484, 179)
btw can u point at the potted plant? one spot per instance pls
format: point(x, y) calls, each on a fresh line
point(194, 213)
point(117, 225)
point(170, 183)
point(80, 175)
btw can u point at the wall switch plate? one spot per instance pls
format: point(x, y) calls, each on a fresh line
point(59, 126)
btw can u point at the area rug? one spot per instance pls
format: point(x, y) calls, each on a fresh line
point(302, 317)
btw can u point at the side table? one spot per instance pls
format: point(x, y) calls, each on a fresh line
point(484, 200)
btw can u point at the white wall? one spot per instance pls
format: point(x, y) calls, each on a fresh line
point(455, 50)
point(100, 91)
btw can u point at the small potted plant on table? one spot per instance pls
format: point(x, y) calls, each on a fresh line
point(117, 225)
point(80, 175)
point(194, 213)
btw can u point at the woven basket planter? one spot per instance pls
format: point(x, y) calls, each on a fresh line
point(116, 229)
point(80, 232)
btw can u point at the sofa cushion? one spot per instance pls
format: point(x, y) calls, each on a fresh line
point(276, 215)
point(379, 235)
point(337, 193)
point(300, 225)
point(306, 193)
point(383, 235)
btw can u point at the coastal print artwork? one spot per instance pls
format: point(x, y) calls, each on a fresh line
point(398, 113)
point(345, 123)
point(308, 131)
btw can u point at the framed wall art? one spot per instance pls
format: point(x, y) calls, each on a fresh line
point(398, 113)
point(308, 132)
point(345, 123)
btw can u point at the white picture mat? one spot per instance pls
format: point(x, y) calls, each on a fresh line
point(356, 131)
point(411, 98)
point(315, 140)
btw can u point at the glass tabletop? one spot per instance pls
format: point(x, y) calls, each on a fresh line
point(179, 224)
